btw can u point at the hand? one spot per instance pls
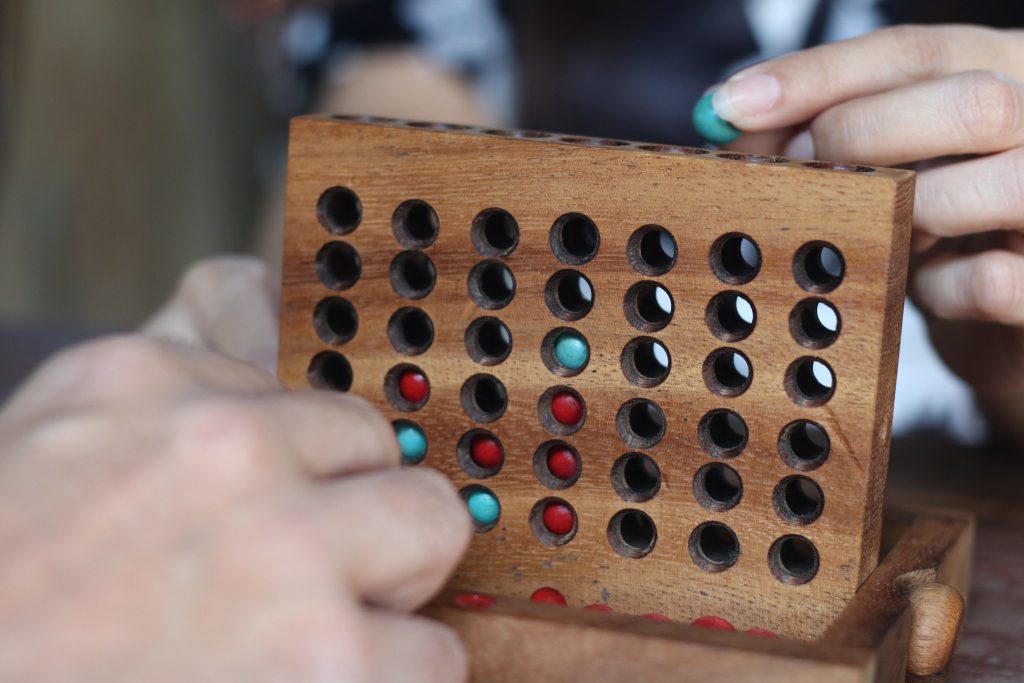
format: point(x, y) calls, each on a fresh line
point(952, 96)
point(168, 514)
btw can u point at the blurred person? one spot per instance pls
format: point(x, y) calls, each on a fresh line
point(171, 513)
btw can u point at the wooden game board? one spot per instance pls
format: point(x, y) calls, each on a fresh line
point(702, 490)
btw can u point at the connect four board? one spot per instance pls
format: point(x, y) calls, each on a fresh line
point(661, 377)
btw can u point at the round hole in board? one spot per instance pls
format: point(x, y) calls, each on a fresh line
point(488, 341)
point(335, 320)
point(640, 423)
point(810, 382)
point(735, 258)
point(484, 398)
point(731, 316)
point(569, 295)
point(652, 250)
point(714, 547)
point(491, 285)
point(722, 433)
point(574, 239)
point(793, 560)
point(717, 487)
point(412, 274)
point(338, 265)
point(406, 387)
point(480, 453)
point(815, 323)
point(818, 267)
point(410, 331)
point(798, 500)
point(557, 464)
point(649, 306)
point(674, 149)
point(728, 372)
point(832, 166)
point(330, 370)
point(495, 233)
point(339, 210)
point(645, 362)
point(632, 533)
point(484, 507)
point(636, 477)
point(415, 224)
point(752, 158)
point(565, 352)
point(553, 521)
point(804, 445)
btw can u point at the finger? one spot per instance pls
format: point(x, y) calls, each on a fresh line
point(975, 112)
point(768, 143)
point(794, 88)
point(226, 304)
point(972, 196)
point(329, 434)
point(410, 648)
point(395, 535)
point(987, 287)
point(134, 367)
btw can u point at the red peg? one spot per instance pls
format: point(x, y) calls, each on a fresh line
point(549, 595)
point(558, 518)
point(566, 408)
point(563, 462)
point(712, 622)
point(598, 607)
point(414, 386)
point(485, 451)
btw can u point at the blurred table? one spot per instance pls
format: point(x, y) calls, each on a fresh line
point(924, 471)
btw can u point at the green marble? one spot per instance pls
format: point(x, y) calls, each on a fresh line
point(710, 125)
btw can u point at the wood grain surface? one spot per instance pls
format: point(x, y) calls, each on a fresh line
point(698, 197)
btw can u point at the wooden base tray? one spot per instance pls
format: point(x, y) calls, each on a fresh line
point(901, 625)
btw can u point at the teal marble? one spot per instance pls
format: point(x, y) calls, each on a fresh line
point(571, 351)
point(710, 125)
point(484, 507)
point(412, 442)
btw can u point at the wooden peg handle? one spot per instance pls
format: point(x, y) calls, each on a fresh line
point(938, 612)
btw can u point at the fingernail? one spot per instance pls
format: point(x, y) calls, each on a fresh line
point(800, 147)
point(745, 96)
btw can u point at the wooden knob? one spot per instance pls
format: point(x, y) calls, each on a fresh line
point(937, 612)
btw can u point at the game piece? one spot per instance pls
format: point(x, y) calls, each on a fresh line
point(558, 518)
point(598, 607)
point(548, 595)
point(710, 125)
point(474, 600)
point(725, 436)
point(413, 386)
point(713, 622)
point(483, 507)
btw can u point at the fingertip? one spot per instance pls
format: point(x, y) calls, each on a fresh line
point(710, 125)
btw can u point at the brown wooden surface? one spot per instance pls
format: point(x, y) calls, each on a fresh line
point(515, 640)
point(698, 197)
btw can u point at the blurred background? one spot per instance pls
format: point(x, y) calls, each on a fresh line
point(138, 136)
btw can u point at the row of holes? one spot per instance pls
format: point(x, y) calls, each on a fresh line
point(814, 323)
point(713, 546)
point(735, 258)
point(602, 142)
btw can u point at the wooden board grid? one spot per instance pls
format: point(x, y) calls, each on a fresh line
point(698, 197)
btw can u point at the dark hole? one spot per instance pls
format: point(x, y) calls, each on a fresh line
point(808, 441)
point(496, 282)
point(731, 316)
point(652, 250)
point(646, 420)
point(650, 359)
point(574, 238)
point(495, 232)
point(716, 546)
point(814, 381)
point(494, 338)
point(339, 210)
point(730, 372)
point(803, 498)
point(641, 475)
point(415, 224)
point(330, 370)
point(335, 320)
point(797, 558)
point(338, 265)
point(649, 306)
point(411, 331)
point(721, 483)
point(818, 267)
point(815, 323)
point(489, 396)
point(637, 530)
point(413, 274)
point(484, 398)
point(723, 433)
point(735, 259)
point(569, 295)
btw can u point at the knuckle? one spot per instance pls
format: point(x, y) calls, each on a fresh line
point(227, 439)
point(922, 49)
point(995, 285)
point(989, 107)
point(123, 360)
